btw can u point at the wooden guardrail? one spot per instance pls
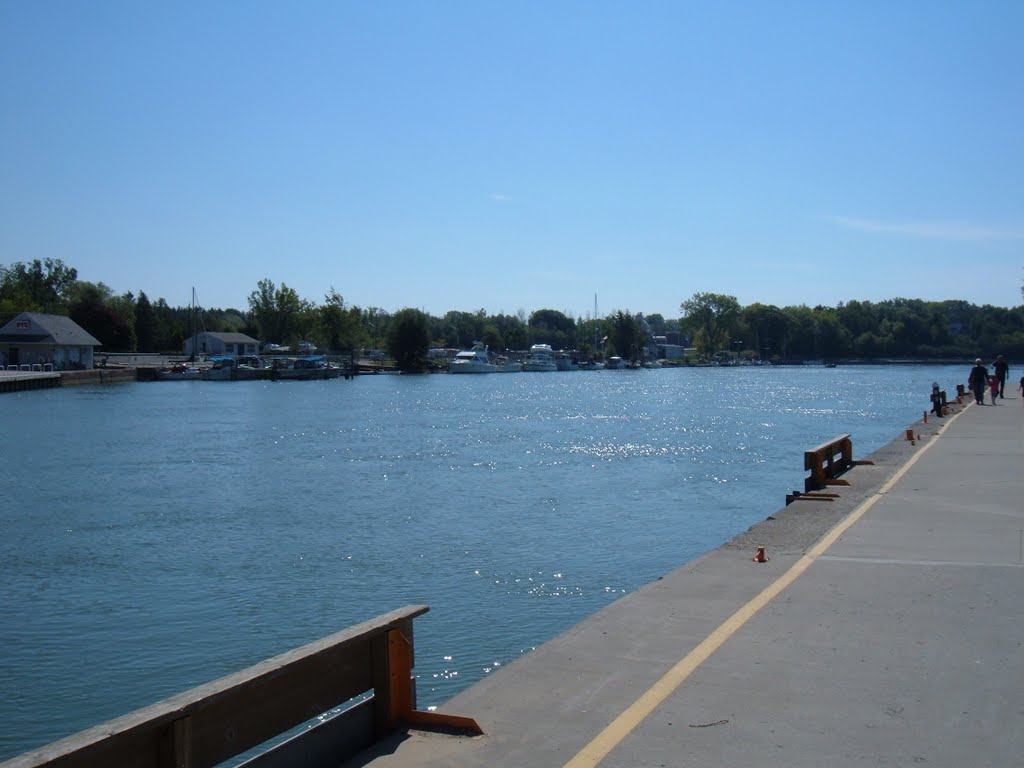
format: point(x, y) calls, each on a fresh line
point(219, 720)
point(826, 462)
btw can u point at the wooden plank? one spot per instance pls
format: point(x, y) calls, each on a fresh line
point(828, 445)
point(823, 465)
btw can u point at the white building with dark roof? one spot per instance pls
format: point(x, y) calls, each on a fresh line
point(34, 338)
point(214, 343)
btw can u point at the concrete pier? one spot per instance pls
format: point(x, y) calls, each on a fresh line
point(22, 381)
point(886, 628)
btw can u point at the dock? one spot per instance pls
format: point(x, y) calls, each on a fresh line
point(886, 627)
point(22, 381)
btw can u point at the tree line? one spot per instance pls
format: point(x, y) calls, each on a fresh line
point(713, 324)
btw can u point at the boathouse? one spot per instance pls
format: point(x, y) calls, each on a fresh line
point(215, 343)
point(34, 338)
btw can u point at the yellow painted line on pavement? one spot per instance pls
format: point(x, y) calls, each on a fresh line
point(613, 734)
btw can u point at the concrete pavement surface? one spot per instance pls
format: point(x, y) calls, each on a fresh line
point(887, 629)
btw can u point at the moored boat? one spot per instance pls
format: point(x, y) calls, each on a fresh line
point(565, 361)
point(542, 358)
point(309, 368)
point(250, 367)
point(475, 360)
point(180, 372)
point(506, 365)
point(222, 369)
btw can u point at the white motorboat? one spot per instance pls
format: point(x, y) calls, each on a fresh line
point(614, 363)
point(505, 365)
point(475, 360)
point(542, 358)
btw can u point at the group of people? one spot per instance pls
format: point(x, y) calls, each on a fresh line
point(980, 380)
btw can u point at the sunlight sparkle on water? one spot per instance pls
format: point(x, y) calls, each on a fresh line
point(593, 485)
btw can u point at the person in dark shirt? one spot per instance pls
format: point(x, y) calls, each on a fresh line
point(977, 381)
point(1000, 367)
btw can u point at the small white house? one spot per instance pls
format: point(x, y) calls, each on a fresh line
point(33, 338)
point(671, 351)
point(212, 343)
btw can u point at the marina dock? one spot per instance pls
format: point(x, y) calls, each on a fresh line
point(885, 628)
point(22, 381)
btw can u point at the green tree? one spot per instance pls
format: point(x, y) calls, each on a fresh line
point(83, 290)
point(588, 337)
point(376, 325)
point(858, 317)
point(833, 338)
point(279, 313)
point(92, 313)
point(868, 345)
point(264, 310)
point(513, 331)
point(36, 286)
point(766, 324)
point(124, 306)
point(145, 324)
point(462, 329)
point(714, 314)
point(340, 326)
point(800, 341)
point(549, 326)
point(626, 337)
point(172, 326)
point(657, 323)
point(409, 340)
point(492, 338)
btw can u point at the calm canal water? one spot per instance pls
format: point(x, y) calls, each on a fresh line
point(158, 536)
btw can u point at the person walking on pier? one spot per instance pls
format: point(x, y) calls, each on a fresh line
point(977, 381)
point(1000, 367)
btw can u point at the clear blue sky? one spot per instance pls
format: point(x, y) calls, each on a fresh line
point(526, 155)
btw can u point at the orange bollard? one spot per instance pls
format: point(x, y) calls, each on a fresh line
point(761, 557)
point(910, 434)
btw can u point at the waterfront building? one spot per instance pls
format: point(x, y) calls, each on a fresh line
point(34, 338)
point(214, 343)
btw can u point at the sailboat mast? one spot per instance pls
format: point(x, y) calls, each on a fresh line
point(195, 339)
